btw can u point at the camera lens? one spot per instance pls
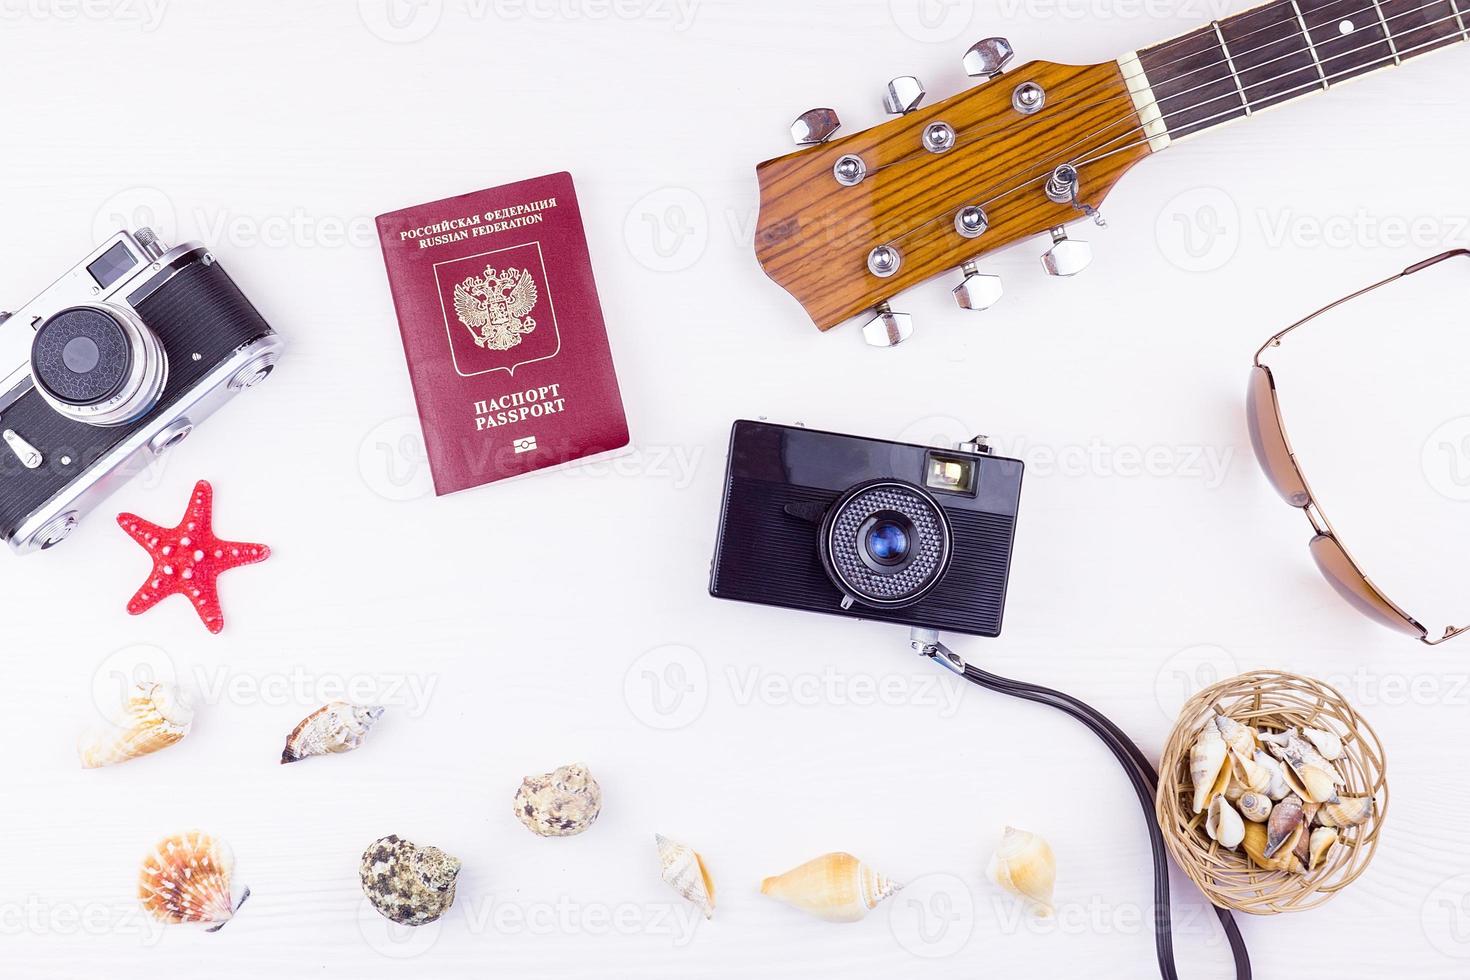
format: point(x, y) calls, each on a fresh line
point(886, 539)
point(97, 364)
point(885, 544)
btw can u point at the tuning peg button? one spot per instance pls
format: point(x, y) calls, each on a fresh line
point(903, 95)
point(1067, 256)
point(815, 126)
point(888, 329)
point(988, 57)
point(976, 291)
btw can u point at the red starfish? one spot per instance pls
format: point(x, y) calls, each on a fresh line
point(188, 559)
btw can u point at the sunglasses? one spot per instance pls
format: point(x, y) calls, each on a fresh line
point(1268, 437)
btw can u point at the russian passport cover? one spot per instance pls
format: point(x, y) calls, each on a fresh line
point(507, 349)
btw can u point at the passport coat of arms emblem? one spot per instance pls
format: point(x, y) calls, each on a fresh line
point(496, 307)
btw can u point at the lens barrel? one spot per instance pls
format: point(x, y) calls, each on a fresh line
point(98, 364)
point(885, 543)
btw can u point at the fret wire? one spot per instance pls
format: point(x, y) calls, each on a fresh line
point(1388, 34)
point(1312, 48)
point(1086, 159)
point(1229, 63)
point(1455, 6)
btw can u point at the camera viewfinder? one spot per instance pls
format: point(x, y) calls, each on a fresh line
point(950, 474)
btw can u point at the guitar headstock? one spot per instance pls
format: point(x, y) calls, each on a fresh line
point(845, 224)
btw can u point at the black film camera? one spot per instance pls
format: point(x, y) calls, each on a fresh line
point(110, 367)
point(866, 528)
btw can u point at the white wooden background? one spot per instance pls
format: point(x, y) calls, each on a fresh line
point(565, 618)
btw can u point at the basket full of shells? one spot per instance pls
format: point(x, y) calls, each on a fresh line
point(1272, 792)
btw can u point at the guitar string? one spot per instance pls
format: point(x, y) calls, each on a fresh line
point(972, 136)
point(1049, 165)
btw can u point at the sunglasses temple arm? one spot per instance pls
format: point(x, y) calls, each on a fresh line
point(1449, 634)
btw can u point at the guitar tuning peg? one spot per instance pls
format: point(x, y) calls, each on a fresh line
point(976, 291)
point(903, 95)
point(988, 57)
point(815, 126)
point(888, 329)
point(1067, 256)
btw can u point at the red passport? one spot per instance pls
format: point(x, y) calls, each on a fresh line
point(507, 349)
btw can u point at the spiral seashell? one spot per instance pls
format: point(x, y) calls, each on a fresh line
point(406, 883)
point(561, 803)
point(1278, 788)
point(836, 887)
point(1207, 763)
point(1255, 807)
point(335, 727)
point(1239, 738)
point(1254, 845)
point(1024, 865)
point(1329, 744)
point(1285, 820)
point(685, 872)
point(186, 879)
point(1321, 842)
point(1349, 811)
point(155, 716)
point(1308, 779)
point(1224, 824)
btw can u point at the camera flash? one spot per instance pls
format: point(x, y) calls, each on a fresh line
point(950, 473)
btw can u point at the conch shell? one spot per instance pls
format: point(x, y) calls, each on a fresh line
point(1207, 766)
point(1255, 847)
point(1223, 824)
point(1024, 865)
point(155, 716)
point(1310, 777)
point(561, 803)
point(1285, 820)
point(336, 727)
point(187, 880)
point(1327, 743)
point(1349, 811)
point(684, 870)
point(1255, 807)
point(1239, 738)
point(1321, 842)
point(1278, 788)
point(836, 887)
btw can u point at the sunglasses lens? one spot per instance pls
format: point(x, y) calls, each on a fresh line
point(1269, 441)
point(1356, 589)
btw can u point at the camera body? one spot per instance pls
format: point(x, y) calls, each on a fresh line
point(866, 528)
point(110, 367)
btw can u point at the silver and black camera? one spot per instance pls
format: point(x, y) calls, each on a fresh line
point(110, 367)
point(867, 528)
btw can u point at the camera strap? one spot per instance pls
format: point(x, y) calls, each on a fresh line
point(1141, 774)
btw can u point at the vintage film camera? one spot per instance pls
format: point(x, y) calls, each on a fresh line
point(111, 366)
point(865, 528)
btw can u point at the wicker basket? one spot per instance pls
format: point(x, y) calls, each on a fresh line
point(1270, 700)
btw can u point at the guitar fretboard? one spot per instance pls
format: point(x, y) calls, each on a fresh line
point(1277, 52)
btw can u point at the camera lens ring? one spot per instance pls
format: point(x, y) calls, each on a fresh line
point(893, 580)
point(98, 364)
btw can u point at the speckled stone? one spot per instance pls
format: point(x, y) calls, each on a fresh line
point(559, 804)
point(409, 884)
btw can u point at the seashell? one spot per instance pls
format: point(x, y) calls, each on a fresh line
point(684, 870)
point(1311, 782)
point(186, 879)
point(1024, 865)
point(1321, 842)
point(1278, 788)
point(155, 716)
point(1255, 807)
point(1277, 738)
point(836, 887)
point(1254, 845)
point(1325, 742)
point(1223, 824)
point(406, 883)
point(1349, 811)
point(561, 803)
point(1315, 759)
point(335, 727)
point(1286, 818)
point(1207, 764)
point(1240, 739)
point(1302, 849)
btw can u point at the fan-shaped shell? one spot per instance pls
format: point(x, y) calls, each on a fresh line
point(186, 879)
point(684, 870)
point(836, 887)
point(155, 716)
point(335, 727)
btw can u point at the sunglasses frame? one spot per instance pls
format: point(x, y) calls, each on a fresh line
point(1306, 501)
